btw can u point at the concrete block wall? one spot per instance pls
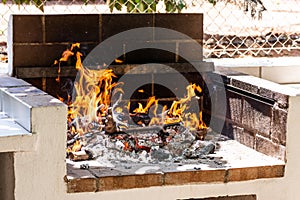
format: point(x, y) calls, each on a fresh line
point(279, 73)
point(256, 113)
point(37, 40)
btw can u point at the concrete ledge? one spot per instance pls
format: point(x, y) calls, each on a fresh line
point(267, 68)
point(13, 137)
point(19, 99)
point(16, 109)
point(241, 164)
point(84, 181)
point(19, 102)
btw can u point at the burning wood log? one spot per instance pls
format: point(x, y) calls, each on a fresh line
point(119, 124)
point(112, 122)
point(200, 134)
point(73, 140)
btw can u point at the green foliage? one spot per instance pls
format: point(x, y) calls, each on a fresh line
point(133, 6)
point(146, 6)
point(149, 6)
point(173, 5)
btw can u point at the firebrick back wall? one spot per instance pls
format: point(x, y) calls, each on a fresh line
point(37, 40)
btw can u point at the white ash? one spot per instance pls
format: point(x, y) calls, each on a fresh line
point(177, 147)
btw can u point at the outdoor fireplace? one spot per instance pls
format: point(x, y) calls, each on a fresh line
point(243, 118)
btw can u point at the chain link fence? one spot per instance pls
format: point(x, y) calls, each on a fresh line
point(232, 28)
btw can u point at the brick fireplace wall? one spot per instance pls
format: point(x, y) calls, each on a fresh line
point(256, 113)
point(37, 40)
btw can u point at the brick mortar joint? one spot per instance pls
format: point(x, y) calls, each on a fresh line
point(43, 29)
point(49, 43)
point(226, 176)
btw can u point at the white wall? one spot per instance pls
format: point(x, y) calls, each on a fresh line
point(39, 174)
point(282, 70)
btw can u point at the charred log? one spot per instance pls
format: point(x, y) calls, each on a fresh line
point(142, 119)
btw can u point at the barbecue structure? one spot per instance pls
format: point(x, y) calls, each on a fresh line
point(221, 127)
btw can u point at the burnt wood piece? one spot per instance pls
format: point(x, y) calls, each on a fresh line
point(141, 118)
point(81, 155)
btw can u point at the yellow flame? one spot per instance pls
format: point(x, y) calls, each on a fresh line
point(78, 60)
point(201, 124)
point(93, 96)
point(66, 55)
point(178, 107)
point(177, 112)
point(118, 110)
point(75, 45)
point(93, 90)
point(149, 103)
point(118, 61)
point(77, 146)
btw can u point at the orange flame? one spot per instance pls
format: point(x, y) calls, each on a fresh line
point(66, 55)
point(149, 103)
point(177, 112)
point(178, 108)
point(118, 61)
point(76, 146)
point(201, 124)
point(93, 89)
point(75, 45)
point(93, 96)
point(78, 60)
